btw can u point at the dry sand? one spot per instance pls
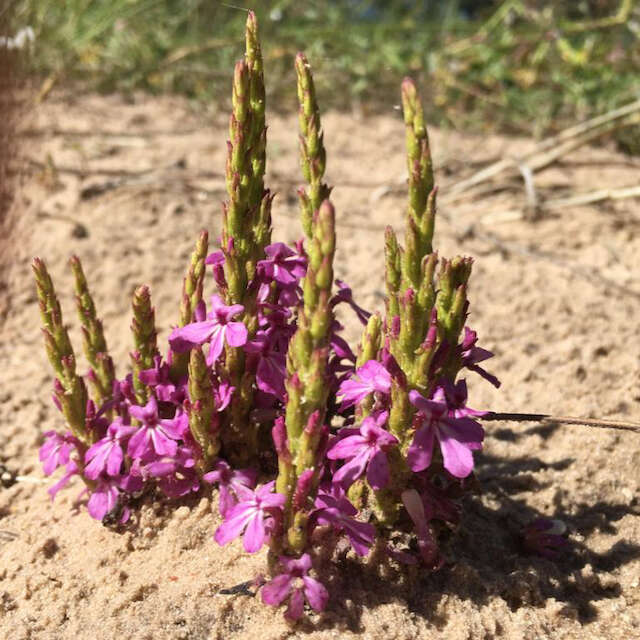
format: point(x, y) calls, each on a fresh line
point(560, 308)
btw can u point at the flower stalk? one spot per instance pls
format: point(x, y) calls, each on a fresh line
point(203, 420)
point(246, 231)
point(307, 386)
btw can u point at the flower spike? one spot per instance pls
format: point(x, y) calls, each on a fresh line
point(70, 390)
point(95, 344)
point(144, 338)
point(313, 156)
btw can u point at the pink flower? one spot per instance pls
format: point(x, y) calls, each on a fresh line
point(271, 370)
point(371, 377)
point(471, 355)
point(217, 330)
point(230, 483)
point(156, 436)
point(282, 265)
point(457, 434)
point(334, 509)
point(56, 450)
point(104, 499)
point(295, 583)
point(365, 449)
point(159, 379)
point(345, 294)
point(106, 454)
point(175, 474)
point(253, 515)
point(427, 544)
point(217, 260)
point(71, 470)
point(222, 394)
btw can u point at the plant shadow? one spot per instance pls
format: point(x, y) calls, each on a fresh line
point(486, 558)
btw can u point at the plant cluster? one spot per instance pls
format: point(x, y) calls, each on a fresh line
point(306, 438)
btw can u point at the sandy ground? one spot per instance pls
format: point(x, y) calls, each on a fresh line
point(558, 300)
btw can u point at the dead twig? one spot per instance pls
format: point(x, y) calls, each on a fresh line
point(555, 204)
point(549, 150)
point(596, 423)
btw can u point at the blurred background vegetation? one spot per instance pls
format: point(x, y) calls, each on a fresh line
point(525, 66)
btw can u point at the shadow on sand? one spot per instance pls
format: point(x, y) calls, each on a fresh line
point(486, 556)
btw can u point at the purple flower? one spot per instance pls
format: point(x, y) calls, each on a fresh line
point(104, 499)
point(457, 434)
point(271, 370)
point(222, 394)
point(345, 294)
point(95, 421)
point(56, 450)
point(366, 449)
point(427, 544)
point(545, 537)
point(295, 583)
point(156, 436)
point(106, 454)
point(123, 396)
point(334, 509)
point(339, 345)
point(282, 265)
point(230, 483)
point(216, 330)
point(217, 257)
point(159, 379)
point(438, 502)
point(471, 355)
point(371, 377)
point(176, 474)
point(253, 515)
point(71, 470)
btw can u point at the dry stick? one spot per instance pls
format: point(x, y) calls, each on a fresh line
point(557, 146)
point(494, 416)
point(555, 204)
point(593, 196)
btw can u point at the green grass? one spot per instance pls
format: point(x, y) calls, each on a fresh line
point(517, 65)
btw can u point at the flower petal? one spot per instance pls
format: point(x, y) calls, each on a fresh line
point(277, 590)
point(255, 534)
point(234, 524)
point(196, 333)
point(216, 345)
point(352, 470)
point(114, 461)
point(316, 593)
point(347, 447)
point(421, 449)
point(457, 456)
point(378, 470)
point(236, 334)
point(296, 605)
